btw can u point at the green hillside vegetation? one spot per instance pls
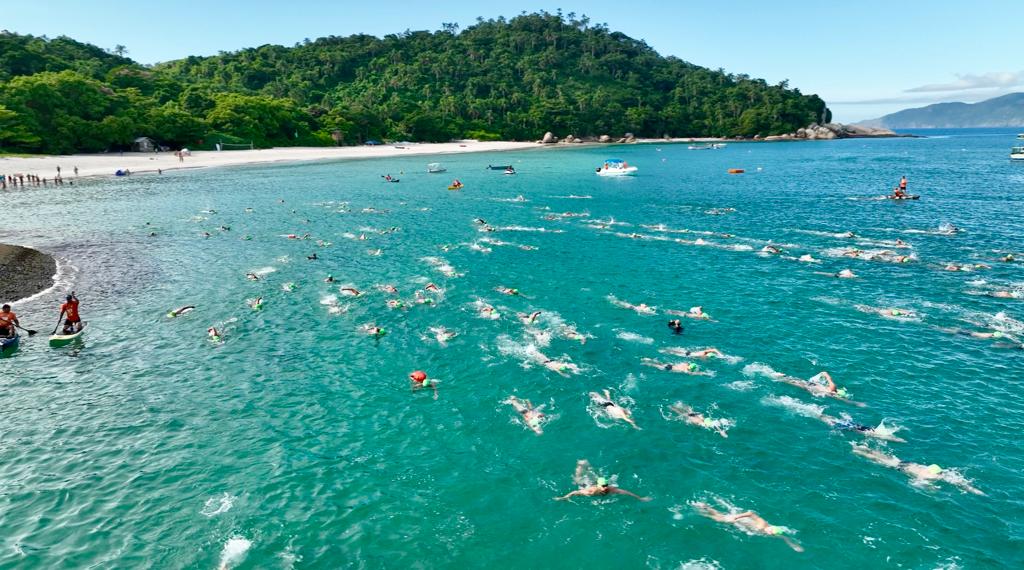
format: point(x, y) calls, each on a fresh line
point(499, 79)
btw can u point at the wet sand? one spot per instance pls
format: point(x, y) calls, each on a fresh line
point(24, 272)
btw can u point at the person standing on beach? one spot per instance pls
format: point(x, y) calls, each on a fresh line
point(73, 323)
point(76, 171)
point(8, 320)
point(58, 172)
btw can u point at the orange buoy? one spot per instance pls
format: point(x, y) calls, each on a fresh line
point(736, 171)
point(418, 376)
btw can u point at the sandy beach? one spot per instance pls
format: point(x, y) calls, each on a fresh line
point(108, 163)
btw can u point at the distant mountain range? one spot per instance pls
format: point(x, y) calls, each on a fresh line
point(1005, 111)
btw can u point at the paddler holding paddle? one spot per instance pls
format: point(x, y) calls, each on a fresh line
point(69, 308)
point(8, 322)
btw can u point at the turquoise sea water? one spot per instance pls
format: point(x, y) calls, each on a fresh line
point(147, 445)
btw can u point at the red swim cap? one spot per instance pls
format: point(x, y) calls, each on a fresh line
point(418, 376)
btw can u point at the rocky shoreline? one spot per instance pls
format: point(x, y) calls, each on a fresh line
point(813, 132)
point(24, 272)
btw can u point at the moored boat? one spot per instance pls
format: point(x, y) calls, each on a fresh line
point(616, 167)
point(435, 167)
point(1017, 153)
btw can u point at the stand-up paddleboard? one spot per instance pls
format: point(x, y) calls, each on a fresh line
point(907, 197)
point(65, 339)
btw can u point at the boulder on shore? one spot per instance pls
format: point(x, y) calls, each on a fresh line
point(830, 131)
point(549, 138)
point(604, 139)
point(569, 139)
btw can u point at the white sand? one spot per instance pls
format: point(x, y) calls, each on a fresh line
point(138, 162)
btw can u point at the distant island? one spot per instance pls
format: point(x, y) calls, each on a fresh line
point(496, 80)
point(1005, 111)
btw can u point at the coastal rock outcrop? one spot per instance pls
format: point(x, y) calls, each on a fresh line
point(604, 139)
point(549, 138)
point(830, 131)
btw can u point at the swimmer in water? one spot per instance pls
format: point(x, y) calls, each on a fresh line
point(372, 330)
point(642, 308)
point(692, 417)
point(312, 257)
point(918, 472)
point(845, 274)
point(329, 279)
point(709, 352)
point(350, 291)
point(983, 335)
point(694, 313)
point(569, 332)
point(419, 381)
point(1008, 258)
point(213, 334)
point(433, 288)
point(488, 312)
point(387, 289)
point(592, 485)
point(748, 521)
point(771, 249)
point(507, 291)
point(180, 311)
point(395, 304)
point(678, 367)
point(532, 417)
point(999, 294)
point(899, 314)
point(255, 304)
point(613, 410)
point(528, 319)
point(847, 424)
point(252, 276)
point(676, 326)
point(560, 367)
point(443, 335)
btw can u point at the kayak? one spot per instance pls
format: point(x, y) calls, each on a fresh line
point(455, 187)
point(9, 343)
point(65, 339)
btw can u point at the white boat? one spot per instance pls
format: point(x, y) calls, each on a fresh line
point(616, 167)
point(1021, 136)
point(1017, 153)
point(717, 146)
point(435, 167)
point(700, 147)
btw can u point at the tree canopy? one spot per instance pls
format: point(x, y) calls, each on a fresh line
point(508, 79)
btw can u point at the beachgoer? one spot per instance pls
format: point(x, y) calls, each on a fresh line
point(903, 186)
point(613, 410)
point(419, 381)
point(920, 473)
point(592, 485)
point(698, 419)
point(748, 521)
point(8, 322)
point(532, 417)
point(69, 309)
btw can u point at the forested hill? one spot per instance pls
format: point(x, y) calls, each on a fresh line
point(508, 79)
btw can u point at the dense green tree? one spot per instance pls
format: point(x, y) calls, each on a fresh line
point(513, 79)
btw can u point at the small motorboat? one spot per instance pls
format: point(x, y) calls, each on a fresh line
point(9, 344)
point(1017, 153)
point(500, 167)
point(57, 340)
point(700, 147)
point(435, 167)
point(616, 167)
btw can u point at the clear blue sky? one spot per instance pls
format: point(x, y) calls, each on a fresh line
point(865, 58)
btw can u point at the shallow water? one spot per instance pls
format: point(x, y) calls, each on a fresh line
point(149, 445)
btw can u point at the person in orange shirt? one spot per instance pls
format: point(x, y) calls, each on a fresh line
point(8, 320)
point(69, 309)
